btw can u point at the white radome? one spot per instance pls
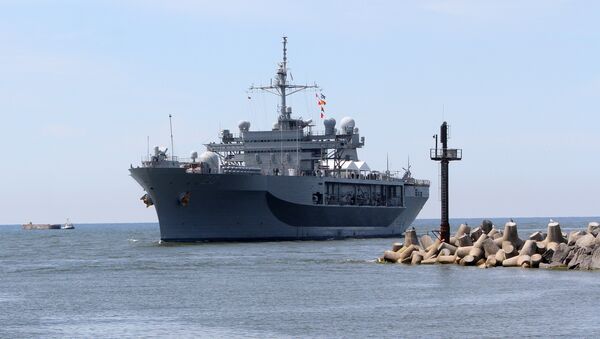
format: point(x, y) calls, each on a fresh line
point(347, 124)
point(211, 159)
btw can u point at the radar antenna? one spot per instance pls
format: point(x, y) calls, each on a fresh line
point(407, 173)
point(281, 86)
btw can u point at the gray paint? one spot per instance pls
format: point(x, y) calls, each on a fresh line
point(236, 207)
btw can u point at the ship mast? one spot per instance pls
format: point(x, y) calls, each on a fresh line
point(281, 87)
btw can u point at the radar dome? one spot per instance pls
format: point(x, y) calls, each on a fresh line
point(329, 126)
point(347, 125)
point(194, 155)
point(330, 122)
point(211, 159)
point(244, 125)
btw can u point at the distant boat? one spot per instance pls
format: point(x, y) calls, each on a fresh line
point(32, 226)
point(68, 225)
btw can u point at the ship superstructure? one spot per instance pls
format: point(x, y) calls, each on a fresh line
point(285, 183)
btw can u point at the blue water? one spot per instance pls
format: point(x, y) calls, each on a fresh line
point(117, 280)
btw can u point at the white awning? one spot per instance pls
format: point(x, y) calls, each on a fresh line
point(362, 166)
point(350, 166)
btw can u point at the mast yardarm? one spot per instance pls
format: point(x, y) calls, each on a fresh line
point(281, 87)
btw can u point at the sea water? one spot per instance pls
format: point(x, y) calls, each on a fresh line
point(118, 280)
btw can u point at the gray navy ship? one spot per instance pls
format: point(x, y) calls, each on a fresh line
point(287, 183)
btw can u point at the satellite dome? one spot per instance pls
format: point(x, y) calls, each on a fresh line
point(330, 122)
point(329, 126)
point(347, 125)
point(211, 159)
point(244, 125)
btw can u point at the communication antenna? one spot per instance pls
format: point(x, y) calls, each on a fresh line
point(148, 146)
point(172, 147)
point(281, 86)
point(387, 164)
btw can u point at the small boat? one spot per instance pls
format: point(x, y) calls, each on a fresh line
point(32, 226)
point(67, 226)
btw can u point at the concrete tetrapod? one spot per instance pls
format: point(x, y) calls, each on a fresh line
point(510, 235)
point(554, 236)
point(462, 229)
point(476, 252)
point(507, 249)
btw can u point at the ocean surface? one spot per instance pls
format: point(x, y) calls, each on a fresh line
point(118, 280)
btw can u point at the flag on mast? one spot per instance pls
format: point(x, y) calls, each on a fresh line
point(321, 103)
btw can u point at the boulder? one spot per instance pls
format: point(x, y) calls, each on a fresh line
point(547, 256)
point(587, 240)
point(594, 228)
point(574, 236)
point(580, 256)
point(560, 254)
point(596, 258)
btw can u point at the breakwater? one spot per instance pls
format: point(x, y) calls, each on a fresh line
point(487, 246)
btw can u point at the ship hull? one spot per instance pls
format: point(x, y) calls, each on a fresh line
point(230, 207)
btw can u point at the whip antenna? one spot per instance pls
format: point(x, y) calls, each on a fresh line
point(172, 147)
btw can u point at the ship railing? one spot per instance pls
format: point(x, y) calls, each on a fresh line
point(149, 158)
point(419, 182)
point(445, 154)
point(363, 175)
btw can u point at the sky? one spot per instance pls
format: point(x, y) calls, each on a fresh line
point(83, 84)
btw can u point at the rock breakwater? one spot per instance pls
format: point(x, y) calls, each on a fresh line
point(486, 246)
